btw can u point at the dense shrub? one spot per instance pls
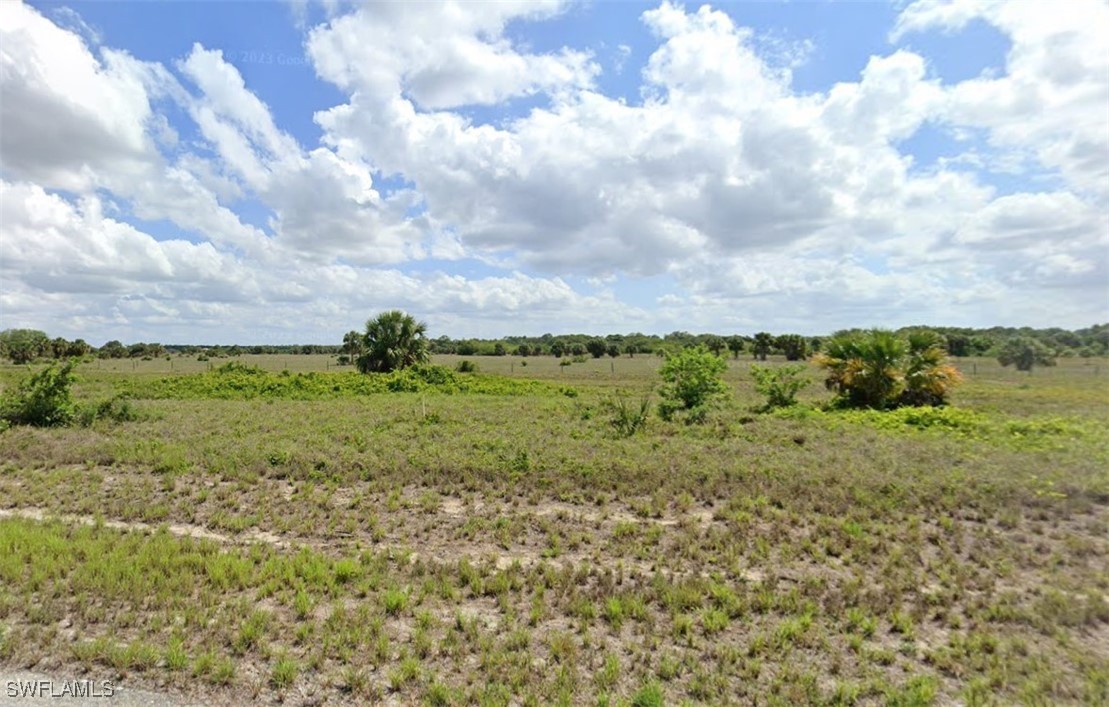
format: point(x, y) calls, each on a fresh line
point(692, 380)
point(43, 399)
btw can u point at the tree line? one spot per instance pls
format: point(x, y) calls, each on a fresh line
point(27, 345)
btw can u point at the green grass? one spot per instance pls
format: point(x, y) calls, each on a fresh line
point(489, 539)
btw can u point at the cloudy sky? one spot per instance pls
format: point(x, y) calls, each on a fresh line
point(276, 172)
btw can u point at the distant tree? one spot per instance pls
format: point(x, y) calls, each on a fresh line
point(577, 350)
point(499, 349)
point(815, 344)
point(735, 345)
point(466, 348)
point(557, 349)
point(596, 347)
point(715, 344)
point(629, 349)
point(393, 340)
point(78, 348)
point(958, 344)
point(614, 350)
point(352, 345)
point(23, 345)
point(1024, 352)
point(793, 346)
point(523, 350)
point(762, 345)
point(57, 347)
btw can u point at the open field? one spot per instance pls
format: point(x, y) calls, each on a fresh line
point(277, 537)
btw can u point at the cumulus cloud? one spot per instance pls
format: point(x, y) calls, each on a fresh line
point(762, 206)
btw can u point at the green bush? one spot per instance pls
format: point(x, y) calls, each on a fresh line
point(780, 385)
point(466, 366)
point(625, 418)
point(43, 400)
point(692, 380)
point(117, 409)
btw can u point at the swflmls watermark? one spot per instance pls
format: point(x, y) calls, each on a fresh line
point(60, 688)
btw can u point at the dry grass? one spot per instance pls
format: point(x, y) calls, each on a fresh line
point(513, 550)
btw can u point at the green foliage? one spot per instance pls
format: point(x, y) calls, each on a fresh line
point(762, 344)
point(625, 418)
point(23, 345)
point(880, 369)
point(780, 385)
point(466, 366)
point(794, 346)
point(236, 381)
point(692, 379)
point(117, 409)
point(596, 347)
point(43, 400)
point(1025, 353)
point(393, 340)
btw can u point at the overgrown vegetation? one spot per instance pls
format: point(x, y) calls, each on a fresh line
point(237, 381)
point(44, 399)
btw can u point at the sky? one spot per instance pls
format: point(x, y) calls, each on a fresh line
point(279, 172)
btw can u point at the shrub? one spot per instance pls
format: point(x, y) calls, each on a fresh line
point(780, 385)
point(879, 369)
point(1025, 353)
point(43, 400)
point(117, 409)
point(691, 382)
point(466, 366)
point(627, 419)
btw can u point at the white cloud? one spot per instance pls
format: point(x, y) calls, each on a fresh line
point(1051, 101)
point(758, 206)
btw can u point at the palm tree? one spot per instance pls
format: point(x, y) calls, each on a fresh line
point(865, 368)
point(880, 369)
point(928, 375)
point(393, 340)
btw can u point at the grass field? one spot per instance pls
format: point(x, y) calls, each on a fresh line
point(283, 537)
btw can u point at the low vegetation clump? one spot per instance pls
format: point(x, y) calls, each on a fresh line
point(237, 381)
point(692, 380)
point(45, 399)
point(879, 369)
point(780, 385)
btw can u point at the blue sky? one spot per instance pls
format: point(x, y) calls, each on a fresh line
point(278, 172)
